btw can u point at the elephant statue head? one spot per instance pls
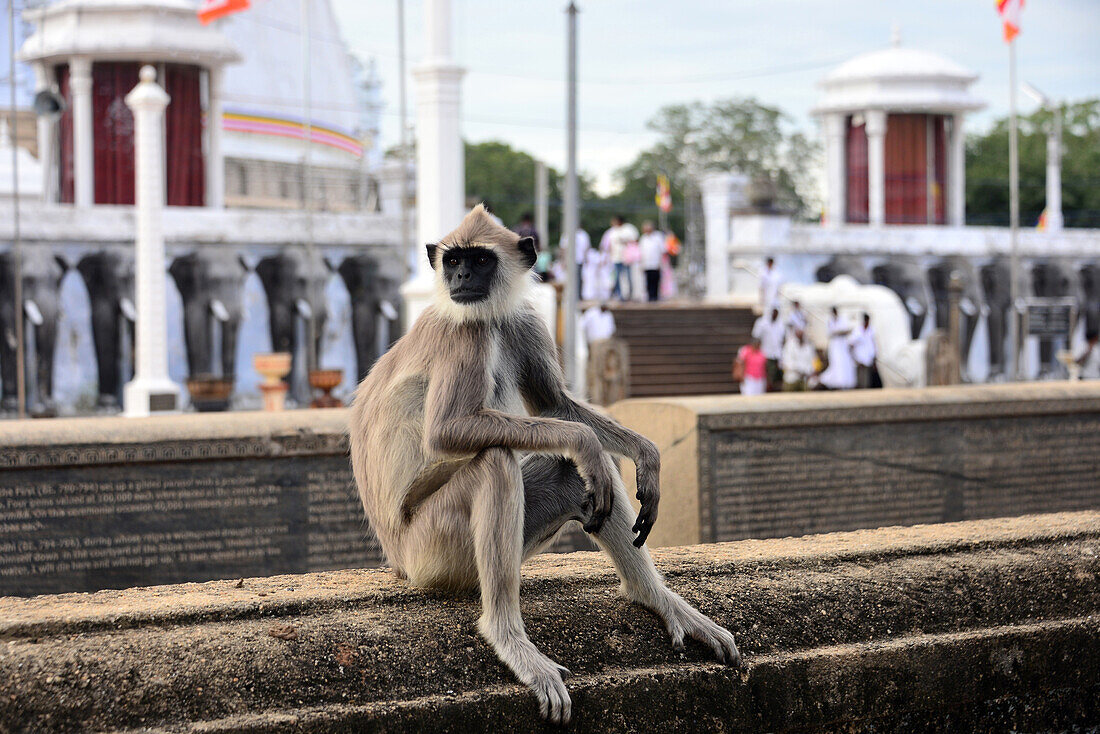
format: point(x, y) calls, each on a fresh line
point(1090, 295)
point(906, 278)
point(40, 312)
point(295, 286)
point(211, 285)
point(996, 282)
point(844, 265)
point(109, 278)
point(971, 300)
point(374, 300)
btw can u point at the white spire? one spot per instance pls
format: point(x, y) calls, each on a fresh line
point(895, 35)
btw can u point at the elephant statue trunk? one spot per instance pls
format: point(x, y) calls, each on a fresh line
point(39, 312)
point(294, 283)
point(109, 278)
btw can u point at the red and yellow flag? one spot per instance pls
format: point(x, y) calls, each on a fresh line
point(1010, 15)
point(211, 10)
point(664, 193)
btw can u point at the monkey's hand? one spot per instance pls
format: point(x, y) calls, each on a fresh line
point(649, 491)
point(596, 471)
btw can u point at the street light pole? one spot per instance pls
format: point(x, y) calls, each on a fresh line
point(571, 216)
point(1013, 216)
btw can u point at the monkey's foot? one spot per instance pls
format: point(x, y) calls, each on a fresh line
point(683, 619)
point(536, 671)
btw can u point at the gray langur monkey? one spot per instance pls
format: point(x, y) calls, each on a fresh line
point(470, 456)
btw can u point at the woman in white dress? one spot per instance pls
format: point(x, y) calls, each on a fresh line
point(841, 372)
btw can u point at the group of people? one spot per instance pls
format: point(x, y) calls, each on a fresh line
point(781, 357)
point(625, 261)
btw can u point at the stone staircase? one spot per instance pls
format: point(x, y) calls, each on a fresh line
point(682, 349)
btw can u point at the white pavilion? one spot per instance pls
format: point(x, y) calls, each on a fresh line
point(894, 124)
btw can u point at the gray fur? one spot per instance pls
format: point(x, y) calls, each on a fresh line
point(436, 431)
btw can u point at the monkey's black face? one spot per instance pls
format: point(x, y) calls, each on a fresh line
point(468, 273)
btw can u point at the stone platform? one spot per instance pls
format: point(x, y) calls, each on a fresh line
point(736, 467)
point(975, 626)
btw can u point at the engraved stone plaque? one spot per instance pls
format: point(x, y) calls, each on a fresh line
point(78, 528)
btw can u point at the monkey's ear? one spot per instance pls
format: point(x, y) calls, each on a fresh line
point(431, 248)
point(528, 253)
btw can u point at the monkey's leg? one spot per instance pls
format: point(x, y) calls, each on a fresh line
point(555, 494)
point(496, 522)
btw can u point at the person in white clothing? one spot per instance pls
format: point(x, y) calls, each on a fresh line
point(598, 323)
point(797, 362)
point(582, 243)
point(620, 238)
point(1087, 355)
point(769, 285)
point(652, 246)
point(770, 331)
point(841, 372)
point(796, 318)
point(863, 351)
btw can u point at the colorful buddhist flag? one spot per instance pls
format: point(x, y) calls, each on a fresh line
point(664, 193)
point(1010, 15)
point(211, 10)
point(1042, 223)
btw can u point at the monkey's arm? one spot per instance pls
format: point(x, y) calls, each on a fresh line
point(456, 422)
point(545, 393)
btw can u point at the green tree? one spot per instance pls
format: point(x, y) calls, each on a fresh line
point(727, 135)
point(987, 168)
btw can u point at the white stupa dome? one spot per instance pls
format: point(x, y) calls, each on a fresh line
point(899, 79)
point(30, 170)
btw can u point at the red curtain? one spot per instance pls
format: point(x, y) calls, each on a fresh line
point(65, 138)
point(906, 167)
point(939, 130)
point(113, 131)
point(183, 123)
point(857, 173)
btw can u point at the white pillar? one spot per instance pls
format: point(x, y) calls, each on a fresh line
point(440, 159)
point(1054, 174)
point(835, 163)
point(956, 173)
point(151, 390)
point(215, 159)
point(80, 85)
point(44, 79)
point(876, 166)
point(717, 190)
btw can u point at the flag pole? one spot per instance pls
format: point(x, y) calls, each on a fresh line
point(17, 243)
point(1013, 216)
point(571, 214)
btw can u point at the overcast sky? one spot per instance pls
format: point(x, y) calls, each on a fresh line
point(637, 55)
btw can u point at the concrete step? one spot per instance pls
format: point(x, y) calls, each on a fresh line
point(990, 624)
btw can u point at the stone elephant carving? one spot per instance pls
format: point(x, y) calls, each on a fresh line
point(844, 265)
point(295, 286)
point(109, 278)
point(1090, 295)
point(374, 299)
point(971, 301)
point(1053, 279)
point(211, 285)
point(40, 312)
point(906, 278)
point(996, 281)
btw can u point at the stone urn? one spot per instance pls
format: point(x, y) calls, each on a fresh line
point(209, 392)
point(326, 381)
point(274, 366)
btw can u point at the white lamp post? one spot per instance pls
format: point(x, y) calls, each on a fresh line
point(151, 390)
point(1054, 158)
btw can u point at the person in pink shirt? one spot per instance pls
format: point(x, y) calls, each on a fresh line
point(753, 369)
